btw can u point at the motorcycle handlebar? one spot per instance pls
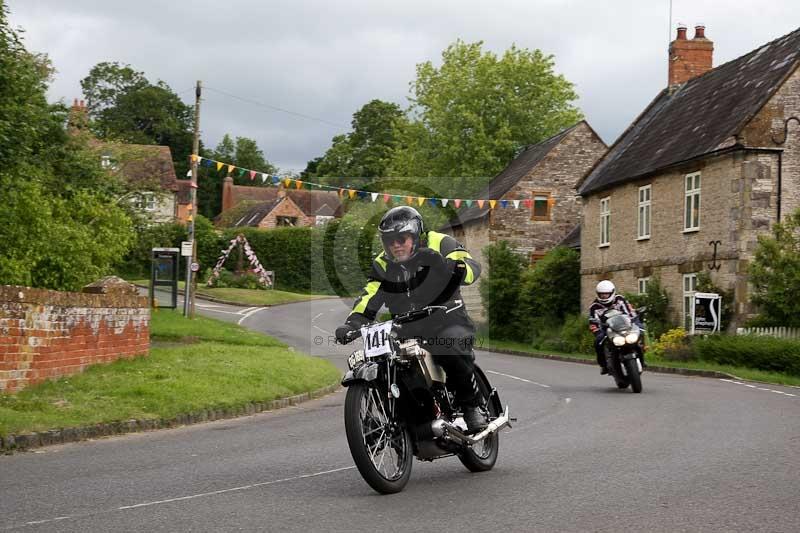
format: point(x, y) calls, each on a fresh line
point(410, 317)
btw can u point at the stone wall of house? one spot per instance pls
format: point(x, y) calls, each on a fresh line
point(768, 126)
point(738, 198)
point(48, 334)
point(557, 174)
point(287, 208)
point(474, 237)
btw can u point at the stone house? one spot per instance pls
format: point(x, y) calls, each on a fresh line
point(712, 163)
point(541, 206)
point(270, 207)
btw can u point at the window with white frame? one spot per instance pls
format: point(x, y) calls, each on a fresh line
point(642, 283)
point(689, 288)
point(691, 203)
point(146, 201)
point(645, 194)
point(605, 222)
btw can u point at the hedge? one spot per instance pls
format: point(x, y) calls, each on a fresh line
point(752, 351)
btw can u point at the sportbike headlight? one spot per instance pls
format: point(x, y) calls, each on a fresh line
point(618, 341)
point(632, 337)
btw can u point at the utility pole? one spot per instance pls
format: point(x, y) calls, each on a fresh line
point(191, 282)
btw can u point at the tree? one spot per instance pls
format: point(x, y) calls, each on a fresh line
point(124, 106)
point(500, 289)
point(475, 111)
point(775, 274)
point(60, 226)
point(240, 152)
point(367, 150)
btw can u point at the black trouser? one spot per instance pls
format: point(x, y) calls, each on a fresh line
point(599, 348)
point(451, 347)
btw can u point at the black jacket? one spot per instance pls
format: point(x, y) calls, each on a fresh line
point(426, 279)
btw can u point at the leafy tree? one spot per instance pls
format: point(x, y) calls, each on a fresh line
point(125, 106)
point(60, 226)
point(552, 287)
point(476, 110)
point(241, 152)
point(775, 274)
point(367, 150)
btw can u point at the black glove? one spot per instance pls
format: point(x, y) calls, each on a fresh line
point(343, 333)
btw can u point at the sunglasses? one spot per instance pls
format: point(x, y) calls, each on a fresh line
point(399, 238)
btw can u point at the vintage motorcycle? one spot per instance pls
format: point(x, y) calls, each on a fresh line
point(397, 406)
point(624, 348)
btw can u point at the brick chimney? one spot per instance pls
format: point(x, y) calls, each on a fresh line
point(78, 117)
point(689, 58)
point(227, 193)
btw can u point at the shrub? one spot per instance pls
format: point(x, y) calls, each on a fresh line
point(674, 345)
point(576, 336)
point(752, 351)
point(500, 287)
point(552, 287)
point(657, 302)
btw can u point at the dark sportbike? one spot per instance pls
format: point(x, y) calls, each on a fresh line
point(624, 348)
point(398, 406)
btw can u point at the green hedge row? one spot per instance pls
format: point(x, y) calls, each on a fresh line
point(751, 351)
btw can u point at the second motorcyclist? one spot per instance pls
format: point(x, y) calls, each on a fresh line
point(607, 298)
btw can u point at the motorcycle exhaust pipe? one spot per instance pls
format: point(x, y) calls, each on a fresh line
point(443, 429)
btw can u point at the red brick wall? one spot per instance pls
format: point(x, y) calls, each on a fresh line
point(48, 334)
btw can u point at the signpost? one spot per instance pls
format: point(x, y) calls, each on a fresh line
point(706, 312)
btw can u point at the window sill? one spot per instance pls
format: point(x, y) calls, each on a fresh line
point(691, 230)
point(646, 238)
point(606, 245)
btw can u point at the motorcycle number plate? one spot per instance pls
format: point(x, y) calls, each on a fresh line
point(376, 339)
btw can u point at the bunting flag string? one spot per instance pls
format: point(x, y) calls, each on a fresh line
point(352, 194)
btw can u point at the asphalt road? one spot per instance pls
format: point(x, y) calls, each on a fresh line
point(689, 454)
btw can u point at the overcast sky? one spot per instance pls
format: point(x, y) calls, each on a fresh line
point(325, 58)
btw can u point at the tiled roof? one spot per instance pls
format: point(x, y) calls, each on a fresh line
point(140, 163)
point(573, 238)
point(312, 203)
point(698, 117)
point(255, 215)
point(531, 156)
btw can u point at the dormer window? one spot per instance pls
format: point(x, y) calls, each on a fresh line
point(107, 163)
point(145, 201)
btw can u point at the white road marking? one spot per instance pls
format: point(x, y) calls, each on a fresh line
point(325, 331)
point(184, 498)
point(520, 379)
point(759, 388)
point(249, 312)
point(206, 306)
point(226, 312)
point(316, 317)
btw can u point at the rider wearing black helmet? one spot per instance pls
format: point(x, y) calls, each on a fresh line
point(419, 268)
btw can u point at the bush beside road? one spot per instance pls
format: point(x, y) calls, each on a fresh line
point(193, 366)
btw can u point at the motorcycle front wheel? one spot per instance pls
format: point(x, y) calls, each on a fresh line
point(380, 446)
point(633, 375)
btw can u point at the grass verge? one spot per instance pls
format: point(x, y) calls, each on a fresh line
point(214, 365)
point(247, 296)
point(749, 374)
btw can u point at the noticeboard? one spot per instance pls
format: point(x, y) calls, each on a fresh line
point(706, 312)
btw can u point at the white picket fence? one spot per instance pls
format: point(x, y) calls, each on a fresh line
point(779, 332)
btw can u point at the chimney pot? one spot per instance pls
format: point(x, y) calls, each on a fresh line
point(681, 32)
point(699, 31)
point(83, 105)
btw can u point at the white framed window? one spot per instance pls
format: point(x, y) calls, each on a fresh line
point(689, 288)
point(645, 196)
point(642, 284)
point(145, 201)
point(605, 221)
point(691, 203)
point(107, 162)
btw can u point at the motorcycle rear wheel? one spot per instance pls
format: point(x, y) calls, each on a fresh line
point(483, 456)
point(381, 448)
point(633, 375)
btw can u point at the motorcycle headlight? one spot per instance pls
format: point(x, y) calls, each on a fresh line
point(618, 341)
point(632, 337)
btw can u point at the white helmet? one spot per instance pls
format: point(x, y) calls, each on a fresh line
point(606, 288)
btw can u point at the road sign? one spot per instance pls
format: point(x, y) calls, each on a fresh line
point(706, 312)
point(195, 267)
point(186, 248)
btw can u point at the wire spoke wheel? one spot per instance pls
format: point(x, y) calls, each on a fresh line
point(482, 456)
point(380, 446)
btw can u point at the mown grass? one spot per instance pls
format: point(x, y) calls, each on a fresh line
point(738, 371)
point(224, 365)
point(247, 296)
